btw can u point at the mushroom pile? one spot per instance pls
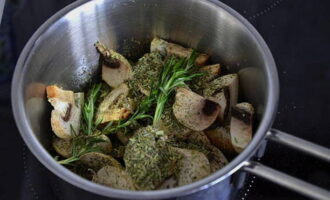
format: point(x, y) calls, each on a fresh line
point(107, 134)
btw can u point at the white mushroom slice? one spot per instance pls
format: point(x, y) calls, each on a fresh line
point(212, 71)
point(229, 81)
point(66, 113)
point(115, 67)
point(96, 160)
point(241, 126)
point(167, 48)
point(221, 138)
point(222, 98)
point(193, 110)
point(116, 105)
point(193, 166)
point(114, 177)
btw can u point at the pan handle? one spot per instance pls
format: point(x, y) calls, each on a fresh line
point(288, 181)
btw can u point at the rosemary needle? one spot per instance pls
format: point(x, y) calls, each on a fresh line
point(174, 74)
point(85, 142)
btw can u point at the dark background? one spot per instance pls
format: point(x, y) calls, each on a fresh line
point(298, 34)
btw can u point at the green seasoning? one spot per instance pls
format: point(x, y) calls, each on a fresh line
point(170, 124)
point(146, 71)
point(148, 159)
point(154, 117)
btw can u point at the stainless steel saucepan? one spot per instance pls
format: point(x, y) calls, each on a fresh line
point(61, 52)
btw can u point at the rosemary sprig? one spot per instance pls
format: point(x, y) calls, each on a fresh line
point(140, 113)
point(85, 142)
point(81, 146)
point(88, 126)
point(174, 74)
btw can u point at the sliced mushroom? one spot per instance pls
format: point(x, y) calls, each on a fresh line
point(193, 166)
point(211, 72)
point(193, 110)
point(222, 98)
point(170, 125)
point(198, 137)
point(241, 126)
point(229, 81)
point(221, 138)
point(106, 145)
point(216, 158)
point(67, 111)
point(96, 160)
point(146, 71)
point(115, 67)
point(62, 147)
point(114, 177)
point(147, 158)
point(167, 48)
point(116, 105)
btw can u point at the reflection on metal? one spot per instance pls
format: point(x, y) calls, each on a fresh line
point(62, 48)
point(299, 144)
point(287, 181)
point(2, 6)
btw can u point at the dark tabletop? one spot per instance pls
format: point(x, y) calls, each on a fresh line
point(298, 34)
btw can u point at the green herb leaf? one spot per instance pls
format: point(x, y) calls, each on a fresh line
point(85, 142)
point(174, 74)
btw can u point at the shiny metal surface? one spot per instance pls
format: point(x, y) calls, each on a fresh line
point(2, 6)
point(299, 144)
point(287, 181)
point(61, 52)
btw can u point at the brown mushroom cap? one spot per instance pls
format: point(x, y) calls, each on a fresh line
point(241, 126)
point(115, 67)
point(193, 110)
